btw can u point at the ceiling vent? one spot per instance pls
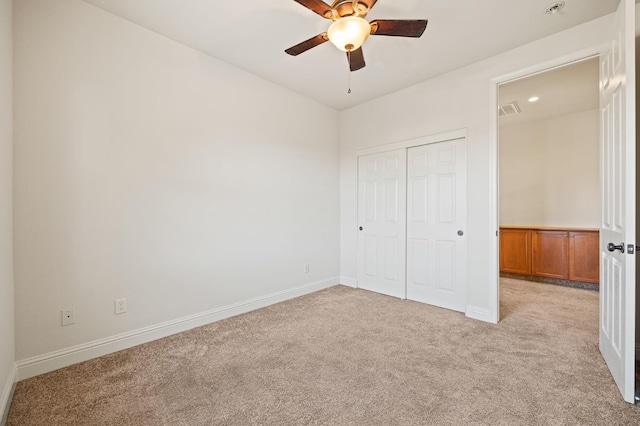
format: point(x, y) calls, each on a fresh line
point(509, 109)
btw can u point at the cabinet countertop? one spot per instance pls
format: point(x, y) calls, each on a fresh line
point(550, 228)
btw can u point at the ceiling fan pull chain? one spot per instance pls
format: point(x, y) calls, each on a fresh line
point(349, 53)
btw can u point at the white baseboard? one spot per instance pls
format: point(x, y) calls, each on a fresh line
point(7, 394)
point(349, 282)
point(51, 361)
point(481, 314)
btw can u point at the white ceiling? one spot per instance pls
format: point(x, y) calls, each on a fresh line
point(562, 91)
point(253, 34)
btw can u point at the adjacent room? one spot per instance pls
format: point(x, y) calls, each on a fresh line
point(550, 209)
point(243, 213)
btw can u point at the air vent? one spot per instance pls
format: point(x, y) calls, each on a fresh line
point(509, 109)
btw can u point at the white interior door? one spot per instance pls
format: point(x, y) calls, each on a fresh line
point(436, 224)
point(382, 222)
point(617, 268)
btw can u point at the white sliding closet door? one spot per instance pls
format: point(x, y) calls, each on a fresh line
point(436, 224)
point(382, 222)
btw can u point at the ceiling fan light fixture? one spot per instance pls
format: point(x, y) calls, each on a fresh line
point(349, 33)
point(554, 8)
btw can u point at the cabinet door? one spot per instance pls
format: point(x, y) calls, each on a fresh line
point(515, 252)
point(584, 256)
point(550, 254)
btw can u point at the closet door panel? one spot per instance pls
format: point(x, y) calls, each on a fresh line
point(436, 224)
point(382, 222)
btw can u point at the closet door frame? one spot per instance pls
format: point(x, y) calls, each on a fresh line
point(410, 143)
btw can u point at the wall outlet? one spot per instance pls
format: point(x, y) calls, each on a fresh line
point(68, 317)
point(306, 268)
point(120, 306)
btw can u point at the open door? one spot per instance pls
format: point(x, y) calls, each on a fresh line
point(618, 177)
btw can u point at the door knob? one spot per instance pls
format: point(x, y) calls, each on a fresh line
point(612, 247)
point(360, 228)
point(460, 233)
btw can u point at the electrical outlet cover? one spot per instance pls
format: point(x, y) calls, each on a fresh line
point(120, 306)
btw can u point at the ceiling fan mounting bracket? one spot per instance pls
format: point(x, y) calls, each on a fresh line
point(361, 9)
point(343, 8)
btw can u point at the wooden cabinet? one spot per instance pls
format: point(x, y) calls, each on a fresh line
point(515, 251)
point(584, 256)
point(550, 254)
point(564, 254)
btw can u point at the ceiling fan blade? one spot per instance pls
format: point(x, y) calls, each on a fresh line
point(317, 6)
point(307, 44)
point(399, 27)
point(356, 59)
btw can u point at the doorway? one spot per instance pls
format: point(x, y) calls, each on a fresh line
point(618, 195)
point(561, 196)
point(549, 176)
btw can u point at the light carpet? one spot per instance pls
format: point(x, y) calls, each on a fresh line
point(351, 357)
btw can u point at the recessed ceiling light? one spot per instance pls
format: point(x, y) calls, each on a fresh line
point(554, 8)
point(534, 99)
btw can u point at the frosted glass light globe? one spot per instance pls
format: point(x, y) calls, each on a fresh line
point(348, 33)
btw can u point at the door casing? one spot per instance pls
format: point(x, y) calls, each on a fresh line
point(494, 220)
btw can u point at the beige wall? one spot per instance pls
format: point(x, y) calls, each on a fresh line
point(550, 172)
point(7, 353)
point(147, 170)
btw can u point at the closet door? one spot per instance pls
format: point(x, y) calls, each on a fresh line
point(382, 222)
point(436, 224)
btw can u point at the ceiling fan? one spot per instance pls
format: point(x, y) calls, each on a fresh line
point(349, 29)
